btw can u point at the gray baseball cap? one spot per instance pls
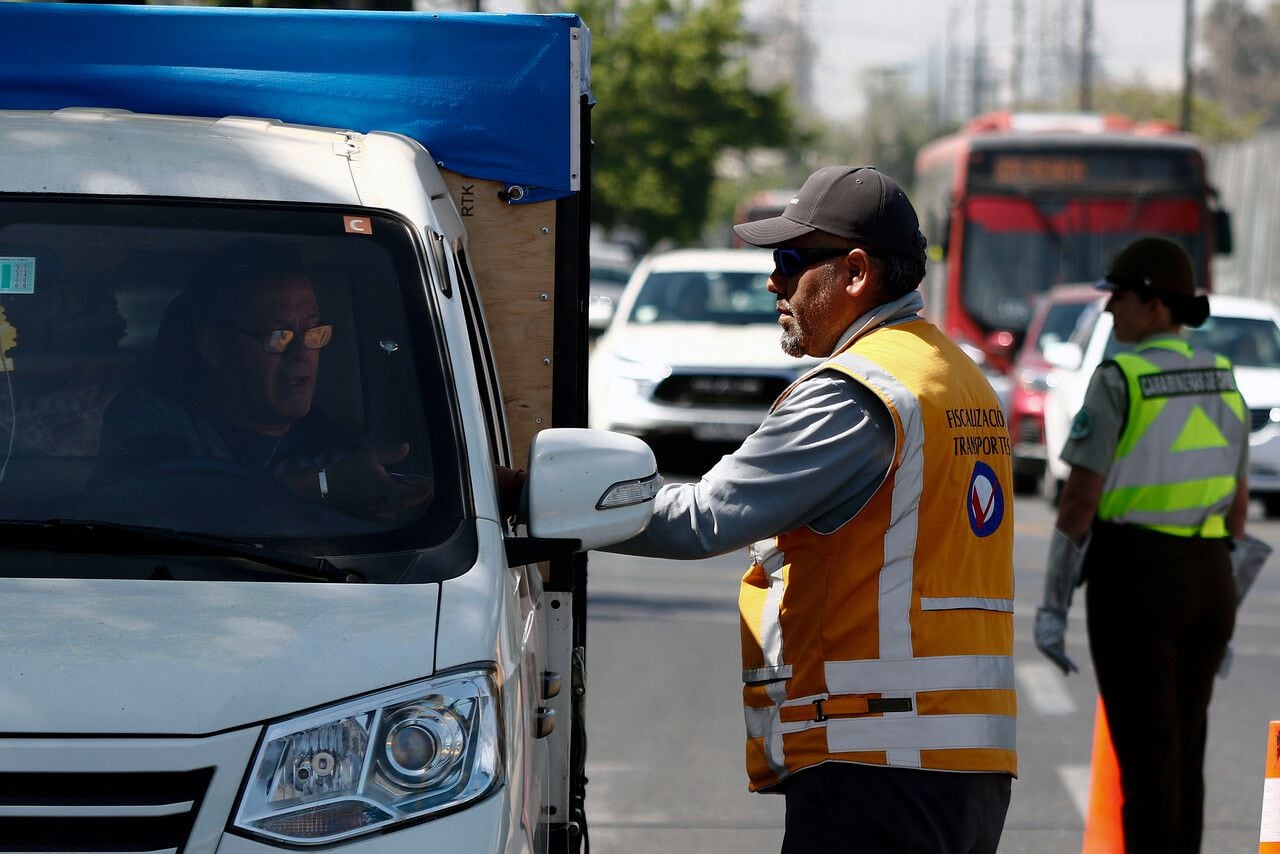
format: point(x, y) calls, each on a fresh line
point(856, 202)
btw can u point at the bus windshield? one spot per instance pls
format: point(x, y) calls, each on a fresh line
point(1016, 248)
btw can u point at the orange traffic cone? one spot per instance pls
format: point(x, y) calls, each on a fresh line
point(1103, 828)
point(1269, 835)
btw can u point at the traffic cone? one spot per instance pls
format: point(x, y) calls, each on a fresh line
point(1103, 828)
point(1269, 835)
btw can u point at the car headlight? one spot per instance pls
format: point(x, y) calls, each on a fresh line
point(1035, 381)
point(630, 378)
point(391, 757)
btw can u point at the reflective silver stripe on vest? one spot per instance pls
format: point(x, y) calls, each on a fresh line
point(1192, 465)
point(756, 675)
point(962, 603)
point(759, 721)
point(926, 732)
point(900, 544)
point(935, 673)
point(766, 553)
point(774, 752)
point(764, 723)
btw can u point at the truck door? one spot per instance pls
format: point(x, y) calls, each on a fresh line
point(532, 293)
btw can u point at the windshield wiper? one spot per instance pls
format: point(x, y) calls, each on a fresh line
point(72, 535)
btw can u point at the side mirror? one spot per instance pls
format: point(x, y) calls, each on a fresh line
point(590, 486)
point(1222, 241)
point(599, 312)
point(1064, 354)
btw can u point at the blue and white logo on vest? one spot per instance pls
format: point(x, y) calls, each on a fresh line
point(986, 500)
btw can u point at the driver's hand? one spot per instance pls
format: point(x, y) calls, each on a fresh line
point(360, 483)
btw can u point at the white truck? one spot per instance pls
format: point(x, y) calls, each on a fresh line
point(214, 650)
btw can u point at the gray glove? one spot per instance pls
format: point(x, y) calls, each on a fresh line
point(1051, 631)
point(1062, 575)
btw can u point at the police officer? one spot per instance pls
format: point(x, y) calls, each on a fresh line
point(877, 613)
point(1157, 489)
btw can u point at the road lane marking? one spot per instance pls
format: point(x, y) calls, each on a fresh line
point(1045, 689)
point(1076, 780)
point(1268, 650)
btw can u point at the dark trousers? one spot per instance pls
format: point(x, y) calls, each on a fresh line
point(840, 807)
point(1161, 610)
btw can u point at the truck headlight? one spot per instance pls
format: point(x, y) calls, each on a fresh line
point(631, 378)
point(391, 757)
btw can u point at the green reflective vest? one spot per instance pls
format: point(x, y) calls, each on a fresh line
point(1175, 464)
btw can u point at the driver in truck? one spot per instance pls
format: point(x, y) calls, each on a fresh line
point(235, 368)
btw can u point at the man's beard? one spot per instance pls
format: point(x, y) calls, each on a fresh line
point(792, 343)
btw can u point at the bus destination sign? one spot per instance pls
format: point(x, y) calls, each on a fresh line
point(1039, 169)
point(1061, 168)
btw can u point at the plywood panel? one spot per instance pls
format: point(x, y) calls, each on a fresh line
point(512, 251)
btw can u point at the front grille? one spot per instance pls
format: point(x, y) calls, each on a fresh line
point(1259, 418)
point(1030, 431)
point(135, 812)
point(726, 390)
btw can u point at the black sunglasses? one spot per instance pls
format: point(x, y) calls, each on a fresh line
point(789, 262)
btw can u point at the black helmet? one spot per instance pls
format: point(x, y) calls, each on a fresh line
point(1157, 268)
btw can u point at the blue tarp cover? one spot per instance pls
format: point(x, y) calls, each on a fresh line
point(490, 96)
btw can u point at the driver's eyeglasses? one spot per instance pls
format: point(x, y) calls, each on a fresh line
point(789, 262)
point(276, 341)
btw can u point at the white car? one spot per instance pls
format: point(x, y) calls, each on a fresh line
point(693, 350)
point(1246, 331)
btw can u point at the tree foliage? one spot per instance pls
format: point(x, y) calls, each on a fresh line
point(1210, 119)
point(671, 81)
point(1243, 72)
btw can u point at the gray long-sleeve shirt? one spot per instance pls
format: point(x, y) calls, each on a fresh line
point(814, 461)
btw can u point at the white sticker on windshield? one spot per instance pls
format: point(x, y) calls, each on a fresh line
point(17, 275)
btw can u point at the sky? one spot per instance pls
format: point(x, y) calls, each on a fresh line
point(1133, 39)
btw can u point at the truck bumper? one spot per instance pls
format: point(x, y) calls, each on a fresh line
point(196, 781)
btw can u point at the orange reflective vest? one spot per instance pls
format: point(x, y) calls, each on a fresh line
point(890, 640)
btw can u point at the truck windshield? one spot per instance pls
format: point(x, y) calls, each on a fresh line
point(1016, 248)
point(267, 374)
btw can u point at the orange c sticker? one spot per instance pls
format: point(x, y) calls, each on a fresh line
point(357, 224)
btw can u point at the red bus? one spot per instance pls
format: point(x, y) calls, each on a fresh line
point(1015, 203)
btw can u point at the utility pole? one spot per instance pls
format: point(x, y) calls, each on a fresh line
point(1043, 54)
point(804, 51)
point(1066, 52)
point(977, 102)
point(1188, 28)
point(1086, 55)
point(1016, 68)
point(951, 70)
